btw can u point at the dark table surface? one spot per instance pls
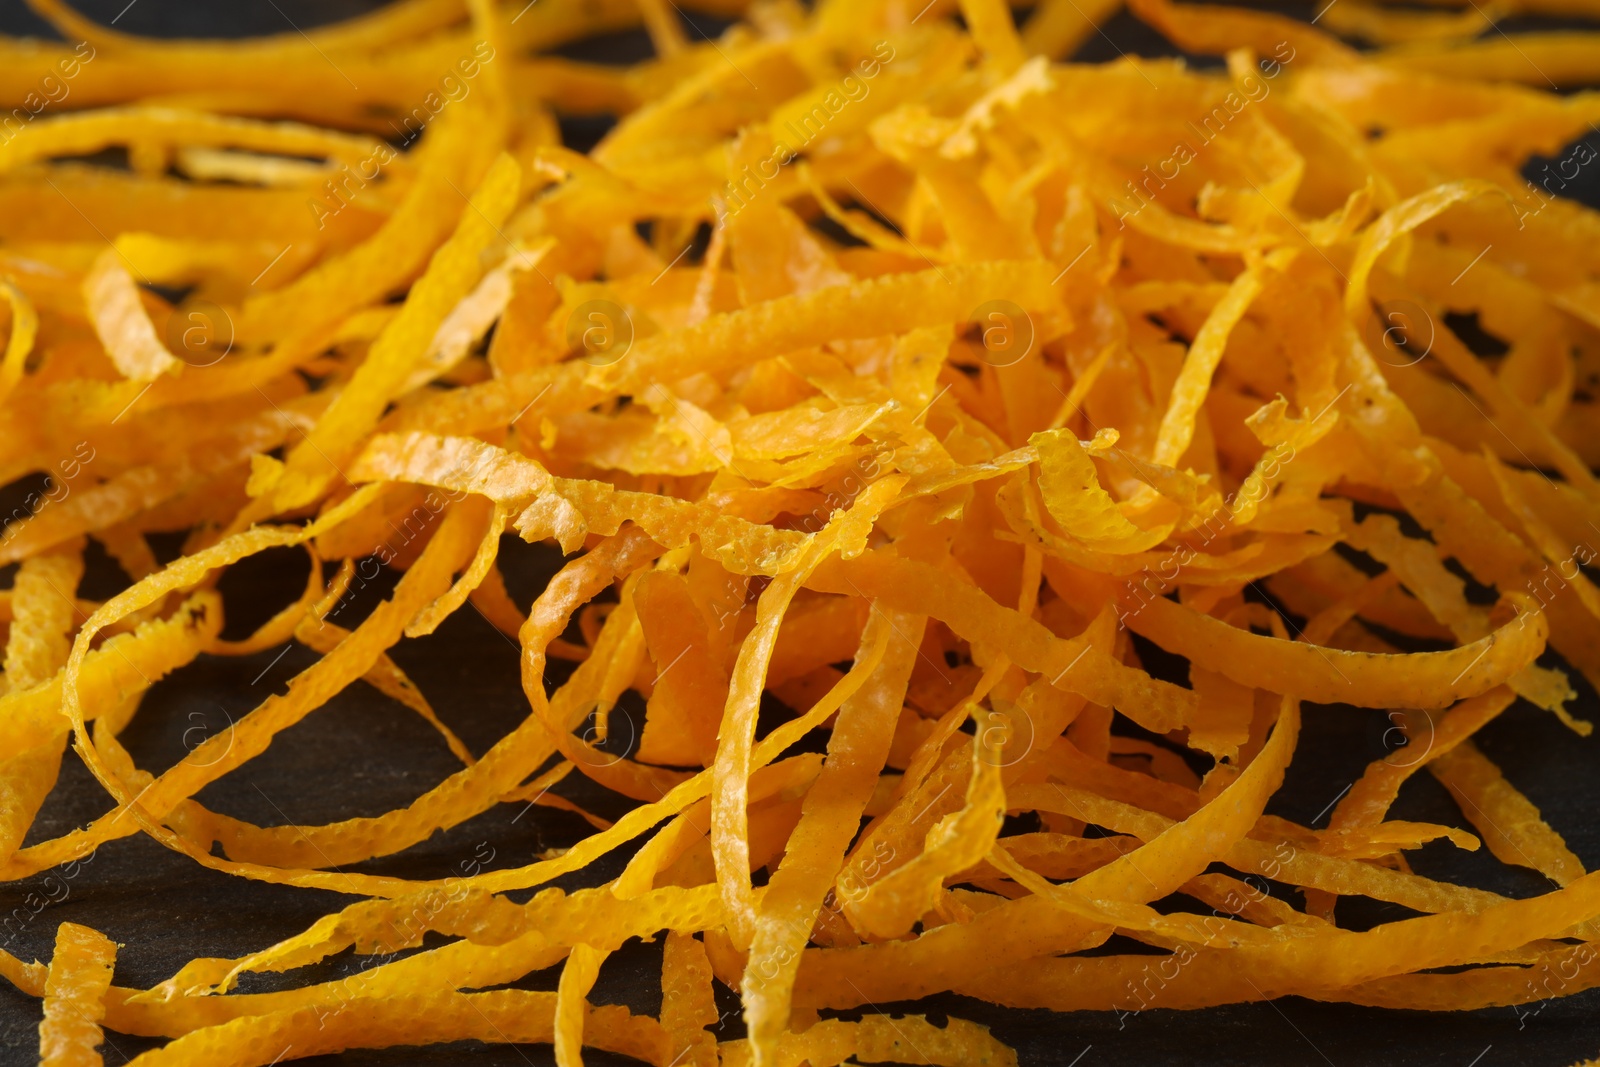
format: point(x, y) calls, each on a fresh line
point(362, 754)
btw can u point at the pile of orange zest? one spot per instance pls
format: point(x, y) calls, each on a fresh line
point(877, 367)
